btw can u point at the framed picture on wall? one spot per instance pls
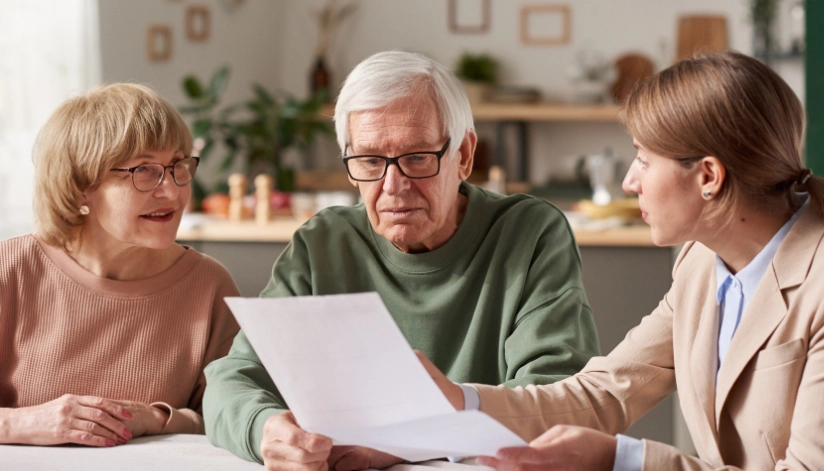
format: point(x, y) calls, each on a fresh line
point(545, 25)
point(159, 43)
point(469, 16)
point(198, 23)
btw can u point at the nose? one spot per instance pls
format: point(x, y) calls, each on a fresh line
point(167, 188)
point(394, 181)
point(631, 183)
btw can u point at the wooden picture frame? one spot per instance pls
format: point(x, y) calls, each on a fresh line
point(198, 23)
point(459, 26)
point(558, 39)
point(159, 43)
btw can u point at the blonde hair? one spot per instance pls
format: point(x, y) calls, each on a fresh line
point(85, 138)
point(732, 107)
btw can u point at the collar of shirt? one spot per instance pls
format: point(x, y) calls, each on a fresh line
point(751, 275)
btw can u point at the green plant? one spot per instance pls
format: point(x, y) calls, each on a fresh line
point(257, 130)
point(763, 14)
point(477, 68)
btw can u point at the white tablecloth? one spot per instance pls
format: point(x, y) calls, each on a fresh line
point(160, 453)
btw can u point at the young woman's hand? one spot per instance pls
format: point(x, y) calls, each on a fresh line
point(83, 420)
point(563, 447)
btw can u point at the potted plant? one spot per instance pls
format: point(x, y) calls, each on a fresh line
point(257, 130)
point(479, 73)
point(763, 14)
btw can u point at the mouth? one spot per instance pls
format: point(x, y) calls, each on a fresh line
point(162, 215)
point(399, 213)
point(644, 215)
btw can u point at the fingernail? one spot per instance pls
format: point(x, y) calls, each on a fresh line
point(110, 442)
point(127, 434)
point(127, 414)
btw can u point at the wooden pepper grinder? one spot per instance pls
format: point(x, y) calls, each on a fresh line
point(238, 184)
point(263, 190)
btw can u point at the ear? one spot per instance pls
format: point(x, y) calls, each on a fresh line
point(711, 175)
point(466, 154)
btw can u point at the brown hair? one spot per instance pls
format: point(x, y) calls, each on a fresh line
point(732, 107)
point(85, 138)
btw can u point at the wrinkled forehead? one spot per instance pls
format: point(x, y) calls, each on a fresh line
point(407, 123)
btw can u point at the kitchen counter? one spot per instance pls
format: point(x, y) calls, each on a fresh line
point(280, 230)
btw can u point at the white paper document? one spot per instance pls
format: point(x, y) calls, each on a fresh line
point(347, 372)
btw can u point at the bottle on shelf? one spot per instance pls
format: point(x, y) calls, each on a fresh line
point(320, 78)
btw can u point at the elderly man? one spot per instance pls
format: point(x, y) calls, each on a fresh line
point(488, 287)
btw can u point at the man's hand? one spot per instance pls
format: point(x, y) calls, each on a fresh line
point(563, 447)
point(452, 391)
point(355, 458)
point(145, 419)
point(287, 447)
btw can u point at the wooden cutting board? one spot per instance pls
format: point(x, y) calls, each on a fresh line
point(701, 34)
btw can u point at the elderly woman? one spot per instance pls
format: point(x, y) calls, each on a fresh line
point(739, 334)
point(106, 323)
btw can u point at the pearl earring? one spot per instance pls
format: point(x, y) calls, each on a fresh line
point(707, 194)
point(84, 210)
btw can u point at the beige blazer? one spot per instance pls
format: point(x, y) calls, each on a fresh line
point(767, 409)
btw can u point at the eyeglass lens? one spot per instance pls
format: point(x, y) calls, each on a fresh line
point(148, 177)
point(413, 166)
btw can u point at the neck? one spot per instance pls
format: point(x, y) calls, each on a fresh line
point(125, 262)
point(744, 236)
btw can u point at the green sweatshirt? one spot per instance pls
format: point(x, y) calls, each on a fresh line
point(501, 302)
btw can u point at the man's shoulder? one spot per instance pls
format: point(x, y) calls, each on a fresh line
point(335, 221)
point(522, 209)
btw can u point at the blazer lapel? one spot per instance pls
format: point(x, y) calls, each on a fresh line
point(763, 314)
point(768, 308)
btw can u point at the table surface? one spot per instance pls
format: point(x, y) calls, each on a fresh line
point(158, 453)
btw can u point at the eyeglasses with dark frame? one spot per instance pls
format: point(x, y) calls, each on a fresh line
point(147, 177)
point(415, 165)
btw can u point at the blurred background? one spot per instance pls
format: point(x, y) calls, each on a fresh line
point(579, 53)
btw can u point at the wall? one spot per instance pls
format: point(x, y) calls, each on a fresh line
point(244, 37)
point(612, 27)
point(273, 41)
point(815, 95)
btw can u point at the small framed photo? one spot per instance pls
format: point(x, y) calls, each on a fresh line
point(469, 16)
point(198, 23)
point(545, 25)
point(159, 43)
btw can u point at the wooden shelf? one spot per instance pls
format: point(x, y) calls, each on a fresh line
point(534, 112)
point(545, 112)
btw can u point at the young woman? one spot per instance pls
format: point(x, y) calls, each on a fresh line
point(106, 323)
point(739, 334)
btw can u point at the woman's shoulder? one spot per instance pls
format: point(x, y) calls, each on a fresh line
point(209, 270)
point(19, 254)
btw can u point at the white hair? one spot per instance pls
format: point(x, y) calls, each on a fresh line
point(389, 76)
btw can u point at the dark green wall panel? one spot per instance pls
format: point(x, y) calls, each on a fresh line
point(814, 63)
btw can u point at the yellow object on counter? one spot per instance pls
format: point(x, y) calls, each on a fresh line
point(626, 208)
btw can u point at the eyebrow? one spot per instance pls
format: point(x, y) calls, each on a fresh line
point(420, 146)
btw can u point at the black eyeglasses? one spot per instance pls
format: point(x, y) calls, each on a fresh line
point(149, 176)
point(371, 168)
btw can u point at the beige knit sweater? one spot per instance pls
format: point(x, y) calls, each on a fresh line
point(64, 330)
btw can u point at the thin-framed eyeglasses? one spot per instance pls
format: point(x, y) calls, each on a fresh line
point(147, 177)
point(416, 165)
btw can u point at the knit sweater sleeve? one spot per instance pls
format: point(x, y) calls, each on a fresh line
point(222, 329)
point(241, 395)
point(553, 334)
